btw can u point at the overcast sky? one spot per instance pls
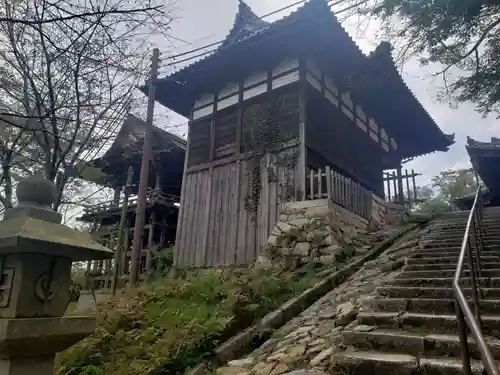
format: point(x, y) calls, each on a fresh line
point(202, 22)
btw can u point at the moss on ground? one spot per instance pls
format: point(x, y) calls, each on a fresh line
point(172, 324)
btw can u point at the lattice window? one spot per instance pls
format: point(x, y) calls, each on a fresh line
point(199, 142)
point(277, 118)
point(225, 135)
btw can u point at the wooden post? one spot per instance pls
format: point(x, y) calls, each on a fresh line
point(394, 186)
point(116, 196)
point(126, 245)
point(311, 184)
point(388, 179)
point(401, 194)
point(414, 186)
point(149, 251)
point(407, 177)
point(320, 185)
point(302, 130)
point(163, 235)
point(143, 181)
point(328, 173)
point(122, 232)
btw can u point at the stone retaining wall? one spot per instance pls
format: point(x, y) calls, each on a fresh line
point(320, 231)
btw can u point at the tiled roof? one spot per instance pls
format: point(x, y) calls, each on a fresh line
point(494, 144)
point(384, 52)
point(248, 25)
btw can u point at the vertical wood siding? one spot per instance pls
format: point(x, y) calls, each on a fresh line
point(215, 229)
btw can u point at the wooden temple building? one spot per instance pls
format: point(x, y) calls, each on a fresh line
point(272, 106)
point(485, 160)
point(163, 195)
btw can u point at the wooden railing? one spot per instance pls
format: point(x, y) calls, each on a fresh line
point(340, 190)
point(152, 196)
point(401, 188)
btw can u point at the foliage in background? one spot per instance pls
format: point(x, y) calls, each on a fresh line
point(455, 34)
point(172, 324)
point(163, 261)
point(444, 188)
point(68, 71)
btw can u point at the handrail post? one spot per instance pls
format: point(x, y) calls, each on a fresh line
point(462, 333)
point(474, 284)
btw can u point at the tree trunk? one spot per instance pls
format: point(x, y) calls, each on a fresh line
point(7, 178)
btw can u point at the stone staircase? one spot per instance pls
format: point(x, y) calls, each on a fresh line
point(409, 326)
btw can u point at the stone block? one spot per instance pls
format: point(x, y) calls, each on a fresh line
point(318, 211)
point(302, 249)
point(327, 259)
point(272, 240)
point(298, 222)
point(284, 227)
point(329, 240)
point(331, 250)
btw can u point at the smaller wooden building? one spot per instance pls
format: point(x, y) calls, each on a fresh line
point(163, 194)
point(287, 111)
point(485, 159)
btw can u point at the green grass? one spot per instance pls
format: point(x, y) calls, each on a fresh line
point(172, 324)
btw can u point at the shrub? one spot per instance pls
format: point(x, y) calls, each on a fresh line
point(172, 324)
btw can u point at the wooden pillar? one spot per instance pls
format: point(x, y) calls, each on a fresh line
point(401, 194)
point(414, 186)
point(116, 196)
point(302, 162)
point(407, 178)
point(158, 180)
point(163, 235)
point(395, 187)
point(126, 245)
point(388, 197)
point(149, 250)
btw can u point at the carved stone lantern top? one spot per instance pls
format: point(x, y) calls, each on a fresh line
point(33, 227)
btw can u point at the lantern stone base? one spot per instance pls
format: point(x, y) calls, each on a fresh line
point(28, 346)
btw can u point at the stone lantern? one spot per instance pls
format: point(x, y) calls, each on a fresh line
point(36, 253)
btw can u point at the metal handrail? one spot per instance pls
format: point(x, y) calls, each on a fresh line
point(473, 237)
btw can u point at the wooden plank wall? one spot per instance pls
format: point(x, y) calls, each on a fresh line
point(216, 229)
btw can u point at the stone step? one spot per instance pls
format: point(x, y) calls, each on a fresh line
point(424, 322)
point(447, 260)
point(458, 243)
point(457, 239)
point(431, 292)
point(425, 305)
point(354, 362)
point(413, 265)
point(414, 343)
point(443, 253)
point(487, 282)
point(486, 227)
point(446, 273)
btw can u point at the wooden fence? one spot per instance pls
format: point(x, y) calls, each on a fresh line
point(401, 188)
point(340, 190)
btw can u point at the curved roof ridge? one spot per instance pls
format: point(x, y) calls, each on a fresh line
point(384, 52)
point(245, 23)
point(472, 143)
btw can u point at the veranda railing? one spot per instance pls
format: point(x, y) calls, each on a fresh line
point(339, 189)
